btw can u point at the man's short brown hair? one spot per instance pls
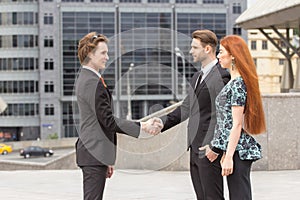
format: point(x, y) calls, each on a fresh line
point(206, 37)
point(87, 44)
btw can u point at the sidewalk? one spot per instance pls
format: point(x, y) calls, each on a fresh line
point(135, 185)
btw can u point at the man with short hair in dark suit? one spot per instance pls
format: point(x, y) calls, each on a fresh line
point(96, 145)
point(199, 107)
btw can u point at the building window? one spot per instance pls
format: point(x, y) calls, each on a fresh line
point(49, 109)
point(213, 1)
point(21, 109)
point(72, 0)
point(282, 44)
point(37, 86)
point(70, 120)
point(48, 41)
point(48, 64)
point(48, 18)
point(15, 64)
point(49, 87)
point(186, 1)
point(158, 1)
point(264, 45)
point(104, 1)
point(17, 87)
point(236, 8)
point(237, 31)
point(23, 41)
point(25, 1)
point(255, 61)
point(253, 45)
point(130, 1)
point(20, 18)
point(281, 61)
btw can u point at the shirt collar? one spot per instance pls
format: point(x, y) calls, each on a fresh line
point(206, 69)
point(91, 69)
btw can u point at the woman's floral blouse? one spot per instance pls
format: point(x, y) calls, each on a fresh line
point(233, 94)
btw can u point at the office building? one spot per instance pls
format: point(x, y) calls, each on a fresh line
point(268, 59)
point(38, 61)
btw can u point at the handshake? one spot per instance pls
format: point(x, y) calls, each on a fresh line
point(153, 126)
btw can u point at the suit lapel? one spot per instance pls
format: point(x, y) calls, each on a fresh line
point(90, 73)
point(203, 83)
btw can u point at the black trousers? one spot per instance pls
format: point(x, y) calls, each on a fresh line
point(206, 177)
point(239, 183)
point(94, 178)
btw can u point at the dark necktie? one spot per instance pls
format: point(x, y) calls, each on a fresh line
point(199, 78)
point(103, 82)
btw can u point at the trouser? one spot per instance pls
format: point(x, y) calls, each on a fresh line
point(94, 178)
point(206, 177)
point(239, 183)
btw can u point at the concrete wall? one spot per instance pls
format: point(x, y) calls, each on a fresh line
point(66, 161)
point(281, 142)
point(167, 151)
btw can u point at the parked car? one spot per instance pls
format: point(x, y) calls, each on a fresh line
point(35, 151)
point(5, 149)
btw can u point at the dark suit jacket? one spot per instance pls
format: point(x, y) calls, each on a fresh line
point(199, 107)
point(97, 140)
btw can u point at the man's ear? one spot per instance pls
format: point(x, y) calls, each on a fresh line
point(207, 49)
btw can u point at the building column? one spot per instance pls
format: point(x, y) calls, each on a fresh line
point(296, 87)
point(287, 78)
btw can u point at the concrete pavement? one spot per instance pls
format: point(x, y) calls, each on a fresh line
point(135, 185)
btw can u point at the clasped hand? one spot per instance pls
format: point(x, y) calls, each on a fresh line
point(153, 126)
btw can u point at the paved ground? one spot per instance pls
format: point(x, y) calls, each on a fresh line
point(135, 185)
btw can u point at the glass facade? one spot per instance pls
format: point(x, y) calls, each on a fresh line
point(148, 50)
point(187, 23)
point(75, 26)
point(142, 68)
point(69, 127)
point(146, 43)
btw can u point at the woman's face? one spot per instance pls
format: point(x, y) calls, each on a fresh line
point(225, 59)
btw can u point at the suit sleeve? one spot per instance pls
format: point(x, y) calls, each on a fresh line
point(225, 78)
point(107, 120)
point(180, 114)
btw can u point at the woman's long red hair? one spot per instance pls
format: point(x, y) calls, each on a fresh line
point(254, 121)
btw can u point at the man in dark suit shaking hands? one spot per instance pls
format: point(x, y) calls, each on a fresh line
point(199, 107)
point(96, 145)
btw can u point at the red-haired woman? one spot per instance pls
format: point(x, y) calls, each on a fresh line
point(239, 114)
